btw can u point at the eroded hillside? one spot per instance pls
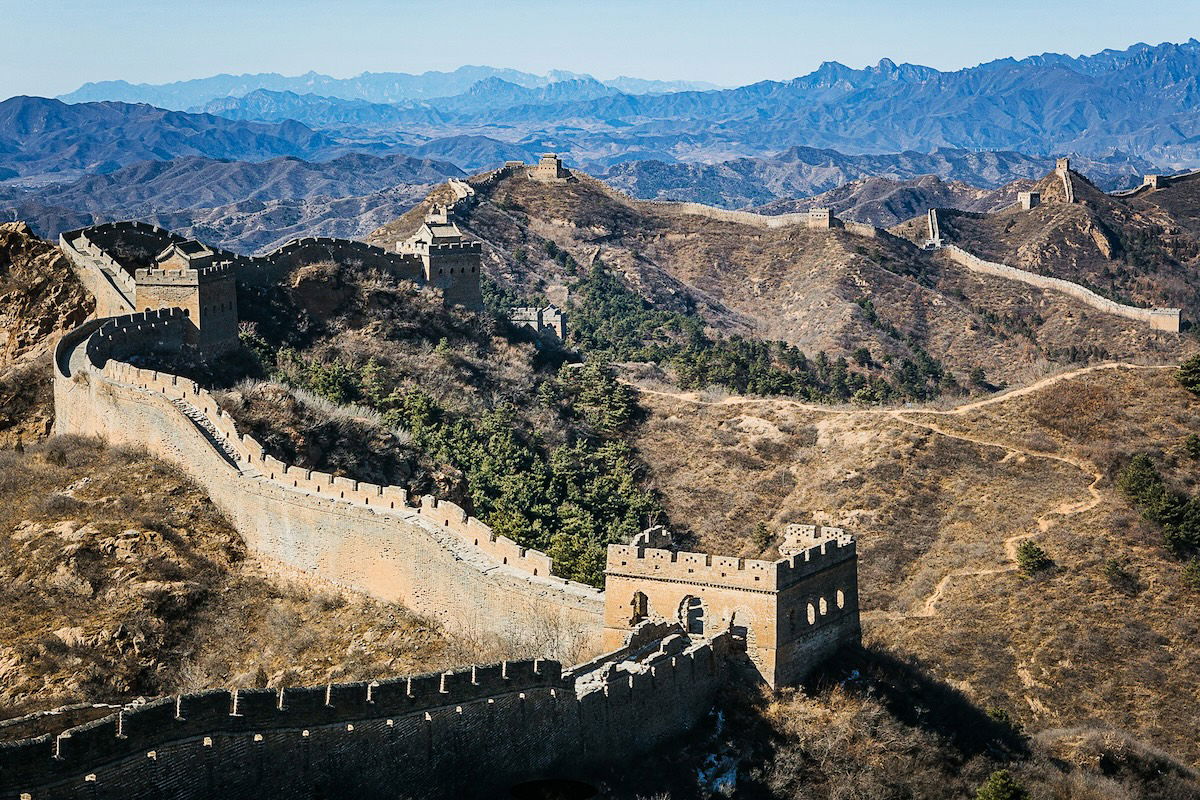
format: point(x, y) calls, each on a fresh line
point(941, 501)
point(121, 579)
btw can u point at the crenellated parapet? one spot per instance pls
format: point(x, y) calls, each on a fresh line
point(466, 733)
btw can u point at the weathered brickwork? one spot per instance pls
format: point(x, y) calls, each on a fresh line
point(361, 536)
point(549, 170)
point(669, 620)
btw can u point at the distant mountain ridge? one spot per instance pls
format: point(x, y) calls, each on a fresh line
point(38, 135)
point(374, 87)
point(1144, 101)
point(801, 172)
point(237, 204)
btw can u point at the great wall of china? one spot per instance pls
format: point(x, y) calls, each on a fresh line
point(659, 637)
point(664, 632)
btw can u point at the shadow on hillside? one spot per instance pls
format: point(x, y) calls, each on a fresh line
point(918, 699)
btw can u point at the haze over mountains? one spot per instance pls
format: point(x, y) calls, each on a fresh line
point(864, 140)
point(374, 87)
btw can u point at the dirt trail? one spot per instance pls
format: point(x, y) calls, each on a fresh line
point(928, 607)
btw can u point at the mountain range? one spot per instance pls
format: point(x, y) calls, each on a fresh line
point(1144, 101)
point(374, 87)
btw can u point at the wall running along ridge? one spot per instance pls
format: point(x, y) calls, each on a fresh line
point(429, 556)
point(1159, 319)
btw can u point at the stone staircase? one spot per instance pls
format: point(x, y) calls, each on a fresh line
point(209, 431)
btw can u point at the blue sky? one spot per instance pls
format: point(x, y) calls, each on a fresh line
point(52, 46)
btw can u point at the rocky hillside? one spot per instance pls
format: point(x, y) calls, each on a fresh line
point(39, 298)
point(800, 172)
point(885, 202)
point(882, 304)
point(120, 579)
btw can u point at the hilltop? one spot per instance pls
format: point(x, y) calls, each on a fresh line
point(822, 291)
point(941, 501)
point(1141, 248)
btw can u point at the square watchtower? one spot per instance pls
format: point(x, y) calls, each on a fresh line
point(186, 276)
point(793, 613)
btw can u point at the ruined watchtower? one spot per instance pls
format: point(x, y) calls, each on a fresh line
point(186, 276)
point(450, 260)
point(549, 170)
point(1029, 200)
point(792, 613)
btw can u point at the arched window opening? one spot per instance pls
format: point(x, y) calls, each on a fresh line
point(812, 614)
point(691, 615)
point(841, 599)
point(824, 607)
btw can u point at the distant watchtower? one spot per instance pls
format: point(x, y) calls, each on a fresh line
point(792, 613)
point(820, 218)
point(1029, 200)
point(186, 276)
point(450, 260)
point(549, 170)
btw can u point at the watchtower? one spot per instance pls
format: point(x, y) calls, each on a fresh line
point(820, 218)
point(1062, 166)
point(549, 169)
point(791, 613)
point(1029, 200)
point(450, 260)
point(186, 276)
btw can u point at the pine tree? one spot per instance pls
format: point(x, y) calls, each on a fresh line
point(1001, 785)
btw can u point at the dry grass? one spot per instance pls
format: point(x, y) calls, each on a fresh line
point(119, 578)
point(1066, 647)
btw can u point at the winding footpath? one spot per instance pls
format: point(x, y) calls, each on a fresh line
point(1045, 522)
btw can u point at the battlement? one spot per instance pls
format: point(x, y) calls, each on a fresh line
point(468, 531)
point(731, 571)
point(185, 277)
point(461, 734)
point(135, 728)
point(549, 169)
point(791, 612)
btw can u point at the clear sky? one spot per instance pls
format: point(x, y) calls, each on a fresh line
point(50, 47)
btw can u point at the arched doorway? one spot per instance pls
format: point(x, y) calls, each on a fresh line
point(639, 608)
point(691, 615)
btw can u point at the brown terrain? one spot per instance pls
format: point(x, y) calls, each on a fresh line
point(801, 286)
point(39, 298)
point(940, 500)
point(1141, 249)
point(112, 593)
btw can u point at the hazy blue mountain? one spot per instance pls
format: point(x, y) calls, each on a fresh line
point(39, 136)
point(375, 87)
point(266, 105)
point(257, 203)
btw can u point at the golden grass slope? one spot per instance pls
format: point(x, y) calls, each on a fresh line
point(940, 500)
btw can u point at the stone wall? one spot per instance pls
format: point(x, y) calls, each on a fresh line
point(432, 557)
point(1159, 319)
point(463, 734)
